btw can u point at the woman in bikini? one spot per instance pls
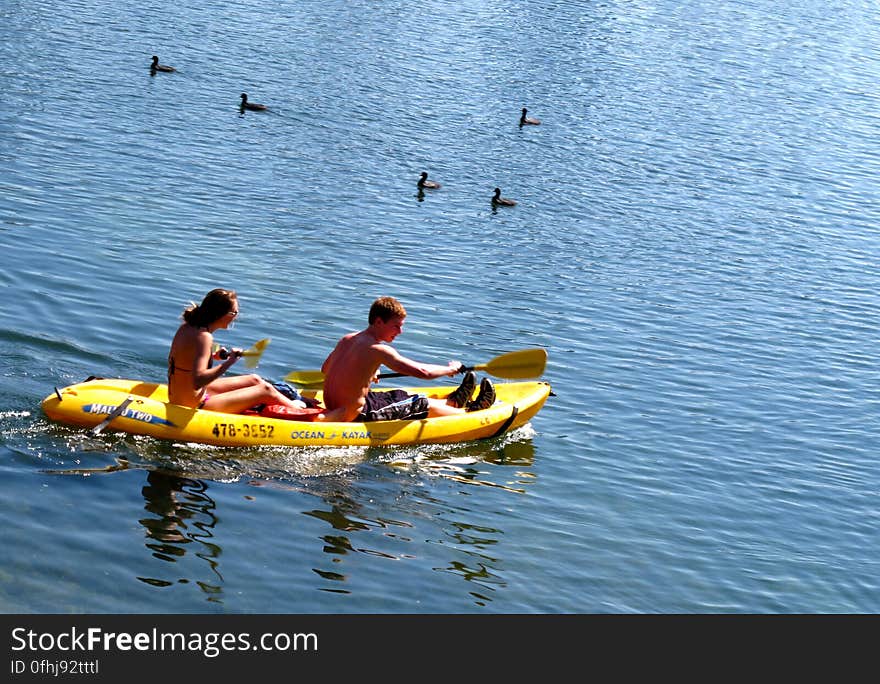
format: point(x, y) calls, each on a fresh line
point(193, 382)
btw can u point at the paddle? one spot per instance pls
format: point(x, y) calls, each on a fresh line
point(99, 428)
point(516, 365)
point(251, 356)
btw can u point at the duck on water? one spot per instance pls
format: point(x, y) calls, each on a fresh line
point(499, 201)
point(155, 66)
point(253, 106)
point(424, 183)
point(527, 120)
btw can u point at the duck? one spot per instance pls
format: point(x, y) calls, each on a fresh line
point(155, 66)
point(425, 183)
point(498, 200)
point(523, 120)
point(253, 106)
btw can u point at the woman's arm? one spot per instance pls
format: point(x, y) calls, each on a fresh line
point(202, 373)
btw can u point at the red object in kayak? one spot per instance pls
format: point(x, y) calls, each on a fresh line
point(287, 413)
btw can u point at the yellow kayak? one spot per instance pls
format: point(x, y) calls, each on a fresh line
point(142, 408)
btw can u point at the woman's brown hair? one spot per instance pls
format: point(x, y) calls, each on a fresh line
point(216, 304)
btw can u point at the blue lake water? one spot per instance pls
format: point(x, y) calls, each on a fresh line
point(695, 244)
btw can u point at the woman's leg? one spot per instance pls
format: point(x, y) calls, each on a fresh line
point(239, 393)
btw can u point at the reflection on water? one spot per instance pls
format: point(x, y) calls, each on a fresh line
point(181, 516)
point(356, 530)
point(337, 519)
point(462, 463)
point(479, 568)
point(183, 521)
point(513, 453)
point(344, 515)
point(471, 550)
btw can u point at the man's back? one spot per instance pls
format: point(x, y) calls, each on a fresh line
point(348, 373)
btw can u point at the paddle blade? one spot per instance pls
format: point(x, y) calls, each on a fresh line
point(306, 378)
point(252, 355)
point(517, 365)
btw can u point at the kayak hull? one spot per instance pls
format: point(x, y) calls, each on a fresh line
point(88, 403)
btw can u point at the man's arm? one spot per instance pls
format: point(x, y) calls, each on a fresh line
point(425, 371)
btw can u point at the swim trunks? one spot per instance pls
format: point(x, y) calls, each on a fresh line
point(394, 405)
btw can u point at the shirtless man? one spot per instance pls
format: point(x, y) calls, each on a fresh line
point(352, 367)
